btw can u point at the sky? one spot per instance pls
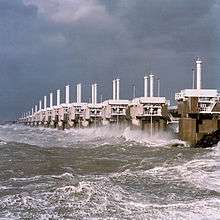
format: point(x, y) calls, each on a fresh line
point(46, 44)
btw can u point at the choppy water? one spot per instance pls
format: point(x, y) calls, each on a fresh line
point(105, 173)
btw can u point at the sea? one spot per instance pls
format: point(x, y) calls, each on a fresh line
point(105, 173)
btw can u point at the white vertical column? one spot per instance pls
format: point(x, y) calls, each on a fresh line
point(45, 102)
point(114, 89)
point(40, 105)
point(79, 94)
point(199, 73)
point(67, 94)
point(146, 86)
point(58, 97)
point(32, 111)
point(134, 90)
point(35, 108)
point(158, 87)
point(51, 100)
point(151, 85)
point(92, 93)
point(95, 93)
point(117, 89)
point(193, 81)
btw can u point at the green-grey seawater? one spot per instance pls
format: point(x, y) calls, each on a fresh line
point(105, 173)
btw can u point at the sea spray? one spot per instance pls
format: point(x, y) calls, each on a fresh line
point(105, 173)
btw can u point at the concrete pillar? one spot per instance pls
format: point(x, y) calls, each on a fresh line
point(114, 89)
point(94, 93)
point(158, 87)
point(51, 100)
point(146, 86)
point(40, 105)
point(193, 82)
point(79, 98)
point(58, 97)
point(45, 102)
point(67, 94)
point(199, 73)
point(151, 85)
point(117, 89)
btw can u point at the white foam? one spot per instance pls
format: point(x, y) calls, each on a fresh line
point(46, 137)
point(3, 142)
point(97, 197)
point(202, 209)
point(157, 139)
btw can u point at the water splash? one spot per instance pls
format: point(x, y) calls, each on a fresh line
point(105, 173)
point(93, 136)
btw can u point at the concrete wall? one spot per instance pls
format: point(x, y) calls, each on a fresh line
point(187, 130)
point(208, 126)
point(158, 124)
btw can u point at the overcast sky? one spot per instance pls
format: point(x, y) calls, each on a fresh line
point(45, 44)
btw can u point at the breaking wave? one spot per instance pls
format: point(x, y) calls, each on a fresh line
point(105, 173)
point(46, 137)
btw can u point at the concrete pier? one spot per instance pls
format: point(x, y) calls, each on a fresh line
point(76, 114)
point(48, 117)
point(149, 114)
point(199, 110)
point(200, 113)
point(55, 117)
point(115, 111)
point(92, 115)
point(63, 116)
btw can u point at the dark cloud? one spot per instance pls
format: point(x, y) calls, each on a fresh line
point(45, 44)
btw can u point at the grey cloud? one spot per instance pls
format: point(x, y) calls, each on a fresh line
point(39, 52)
